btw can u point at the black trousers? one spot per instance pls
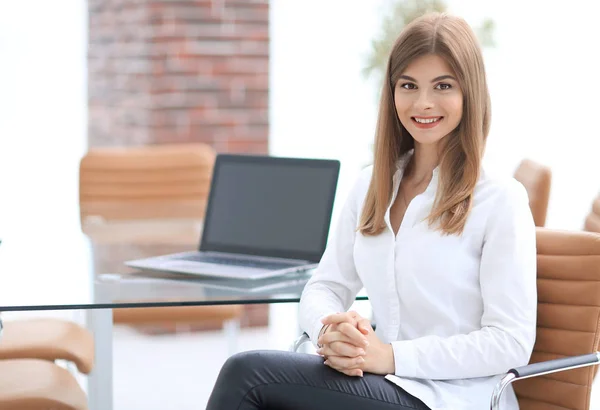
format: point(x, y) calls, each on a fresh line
point(277, 380)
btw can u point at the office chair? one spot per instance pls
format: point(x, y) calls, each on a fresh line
point(536, 179)
point(145, 183)
point(29, 380)
point(150, 184)
point(592, 222)
point(48, 339)
point(560, 373)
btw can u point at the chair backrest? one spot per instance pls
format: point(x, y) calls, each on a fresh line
point(568, 279)
point(149, 182)
point(536, 179)
point(592, 222)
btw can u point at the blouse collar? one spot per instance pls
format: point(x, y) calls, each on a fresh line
point(401, 166)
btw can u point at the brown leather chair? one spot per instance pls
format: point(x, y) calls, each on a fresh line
point(122, 186)
point(33, 384)
point(536, 179)
point(592, 222)
point(28, 378)
point(568, 322)
point(568, 319)
point(48, 339)
point(148, 182)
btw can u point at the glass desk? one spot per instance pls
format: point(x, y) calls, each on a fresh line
point(138, 290)
point(71, 273)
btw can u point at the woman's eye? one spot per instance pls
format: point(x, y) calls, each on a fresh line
point(408, 86)
point(443, 86)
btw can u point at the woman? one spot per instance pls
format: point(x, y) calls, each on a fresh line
point(445, 252)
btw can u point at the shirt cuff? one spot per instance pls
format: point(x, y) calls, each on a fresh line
point(316, 330)
point(406, 360)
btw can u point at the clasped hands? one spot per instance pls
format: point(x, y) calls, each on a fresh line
point(350, 346)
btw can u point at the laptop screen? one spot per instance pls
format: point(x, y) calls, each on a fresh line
point(269, 206)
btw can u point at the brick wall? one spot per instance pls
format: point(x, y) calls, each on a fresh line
point(179, 71)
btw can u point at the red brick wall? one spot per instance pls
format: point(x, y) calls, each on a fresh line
point(178, 71)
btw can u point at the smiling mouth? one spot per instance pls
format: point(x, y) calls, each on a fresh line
point(426, 121)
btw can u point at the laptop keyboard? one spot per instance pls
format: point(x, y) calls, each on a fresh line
point(251, 263)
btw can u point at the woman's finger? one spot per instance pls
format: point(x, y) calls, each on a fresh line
point(333, 336)
point(336, 318)
point(364, 326)
point(354, 373)
point(353, 333)
point(345, 363)
point(351, 372)
point(341, 349)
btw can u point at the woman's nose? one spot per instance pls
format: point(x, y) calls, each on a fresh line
point(424, 101)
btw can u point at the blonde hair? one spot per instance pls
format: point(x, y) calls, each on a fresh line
point(460, 157)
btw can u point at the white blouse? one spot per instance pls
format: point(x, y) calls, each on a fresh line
point(459, 311)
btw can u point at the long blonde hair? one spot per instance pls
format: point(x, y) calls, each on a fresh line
point(460, 157)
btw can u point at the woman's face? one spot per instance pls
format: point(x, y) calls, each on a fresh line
point(428, 99)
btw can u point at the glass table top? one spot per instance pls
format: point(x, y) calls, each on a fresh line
point(72, 269)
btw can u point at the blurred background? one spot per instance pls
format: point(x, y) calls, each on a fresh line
point(286, 78)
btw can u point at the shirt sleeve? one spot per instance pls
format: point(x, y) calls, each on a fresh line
point(335, 283)
point(508, 289)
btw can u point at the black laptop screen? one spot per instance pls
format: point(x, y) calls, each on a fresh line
point(270, 206)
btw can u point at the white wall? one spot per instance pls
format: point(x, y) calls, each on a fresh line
point(43, 105)
point(43, 114)
point(543, 85)
point(320, 105)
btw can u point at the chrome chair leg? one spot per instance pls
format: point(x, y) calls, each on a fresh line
point(298, 342)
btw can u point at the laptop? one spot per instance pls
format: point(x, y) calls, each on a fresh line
point(290, 282)
point(266, 216)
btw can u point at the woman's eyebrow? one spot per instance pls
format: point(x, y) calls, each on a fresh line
point(441, 77)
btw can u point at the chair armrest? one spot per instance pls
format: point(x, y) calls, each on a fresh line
point(303, 338)
point(539, 369)
point(558, 365)
point(48, 339)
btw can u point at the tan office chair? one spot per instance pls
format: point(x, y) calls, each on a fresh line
point(33, 384)
point(150, 182)
point(28, 377)
point(536, 179)
point(568, 325)
point(130, 188)
point(48, 339)
point(592, 222)
point(568, 319)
